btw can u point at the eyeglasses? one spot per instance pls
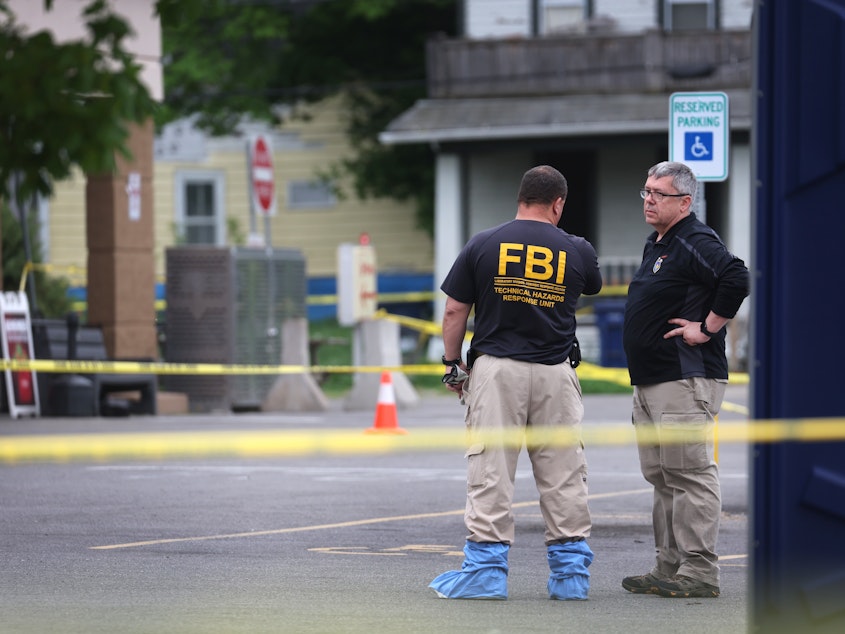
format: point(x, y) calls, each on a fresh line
point(659, 196)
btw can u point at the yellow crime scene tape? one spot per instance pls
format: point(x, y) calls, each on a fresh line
point(100, 447)
point(294, 443)
point(200, 369)
point(585, 371)
point(159, 446)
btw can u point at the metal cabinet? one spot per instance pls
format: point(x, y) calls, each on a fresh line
point(226, 305)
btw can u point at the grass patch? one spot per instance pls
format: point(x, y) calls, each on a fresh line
point(332, 345)
point(593, 386)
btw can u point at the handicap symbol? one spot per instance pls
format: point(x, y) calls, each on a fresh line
point(698, 149)
point(698, 146)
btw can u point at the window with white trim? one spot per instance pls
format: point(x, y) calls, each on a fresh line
point(688, 15)
point(561, 15)
point(199, 212)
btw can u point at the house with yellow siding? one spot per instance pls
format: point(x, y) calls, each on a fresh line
point(202, 196)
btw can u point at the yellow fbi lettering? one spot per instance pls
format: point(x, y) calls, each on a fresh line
point(539, 262)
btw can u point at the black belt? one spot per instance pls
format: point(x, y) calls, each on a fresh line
point(574, 357)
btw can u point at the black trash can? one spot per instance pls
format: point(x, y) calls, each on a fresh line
point(71, 395)
point(610, 316)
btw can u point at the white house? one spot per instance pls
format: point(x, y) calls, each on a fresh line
point(583, 85)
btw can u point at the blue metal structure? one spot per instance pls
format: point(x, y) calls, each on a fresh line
point(798, 546)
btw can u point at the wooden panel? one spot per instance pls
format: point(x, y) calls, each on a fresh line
point(606, 63)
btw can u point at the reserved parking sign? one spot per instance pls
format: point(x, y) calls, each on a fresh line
point(699, 133)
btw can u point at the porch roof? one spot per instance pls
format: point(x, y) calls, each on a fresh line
point(509, 118)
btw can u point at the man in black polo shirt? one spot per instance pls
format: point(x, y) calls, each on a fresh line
point(688, 287)
point(523, 278)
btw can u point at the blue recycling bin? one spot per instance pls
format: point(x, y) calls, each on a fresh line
point(610, 315)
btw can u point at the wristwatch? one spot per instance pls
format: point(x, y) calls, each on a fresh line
point(704, 329)
point(452, 362)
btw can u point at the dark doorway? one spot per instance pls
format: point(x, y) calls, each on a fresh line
point(715, 198)
point(579, 168)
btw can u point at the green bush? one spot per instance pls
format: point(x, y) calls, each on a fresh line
point(51, 292)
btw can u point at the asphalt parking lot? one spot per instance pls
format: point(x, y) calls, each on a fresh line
point(324, 542)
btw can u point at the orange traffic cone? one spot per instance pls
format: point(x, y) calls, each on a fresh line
point(386, 421)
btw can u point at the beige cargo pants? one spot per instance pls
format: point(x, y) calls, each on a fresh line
point(504, 399)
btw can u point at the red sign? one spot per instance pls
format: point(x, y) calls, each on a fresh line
point(17, 344)
point(262, 178)
point(16, 339)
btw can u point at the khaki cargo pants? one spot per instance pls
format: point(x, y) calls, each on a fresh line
point(504, 398)
point(680, 465)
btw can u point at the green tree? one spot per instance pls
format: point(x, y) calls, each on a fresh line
point(378, 59)
point(51, 292)
point(223, 59)
point(229, 58)
point(218, 58)
point(65, 104)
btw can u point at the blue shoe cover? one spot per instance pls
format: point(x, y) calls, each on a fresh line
point(569, 579)
point(483, 575)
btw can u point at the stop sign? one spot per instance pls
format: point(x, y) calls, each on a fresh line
point(261, 176)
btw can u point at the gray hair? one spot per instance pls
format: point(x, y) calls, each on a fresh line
point(683, 178)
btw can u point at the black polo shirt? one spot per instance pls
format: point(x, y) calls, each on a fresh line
point(524, 278)
point(686, 274)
